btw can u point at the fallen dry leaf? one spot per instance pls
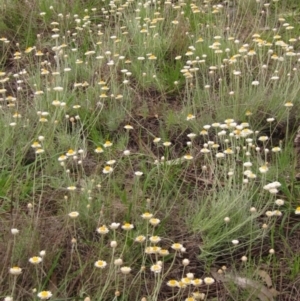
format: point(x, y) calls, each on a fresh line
point(259, 290)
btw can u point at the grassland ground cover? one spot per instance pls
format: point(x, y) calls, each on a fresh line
point(147, 150)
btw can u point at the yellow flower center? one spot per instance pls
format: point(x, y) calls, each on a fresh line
point(44, 294)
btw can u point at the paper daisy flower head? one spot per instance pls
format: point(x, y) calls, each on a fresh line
point(154, 239)
point(35, 260)
point(188, 157)
point(191, 135)
point(39, 151)
point(186, 281)
point(70, 153)
point(288, 104)
point(126, 152)
point(98, 150)
point(102, 230)
point(140, 238)
point(156, 268)
point(228, 151)
point(263, 138)
point(209, 280)
point(73, 214)
point(276, 149)
point(14, 231)
point(127, 227)
point(153, 250)
point(181, 284)
point(44, 295)
point(125, 270)
point(107, 144)
point(111, 162)
point(164, 252)
point(197, 282)
point(220, 155)
point(114, 226)
point(154, 221)
point(172, 283)
point(62, 158)
point(263, 169)
point(107, 169)
point(190, 117)
point(128, 127)
point(176, 246)
point(205, 150)
point(147, 215)
point(279, 202)
point(15, 271)
point(101, 264)
point(35, 145)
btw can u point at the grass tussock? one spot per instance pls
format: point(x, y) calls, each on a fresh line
point(147, 150)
